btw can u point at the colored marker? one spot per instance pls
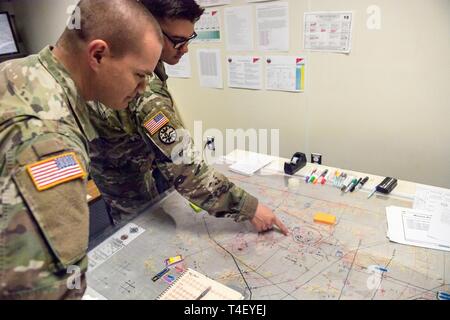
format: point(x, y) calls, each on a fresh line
point(441, 295)
point(338, 180)
point(382, 269)
point(336, 176)
point(352, 185)
point(323, 177)
point(309, 175)
point(319, 177)
point(203, 294)
point(355, 184)
point(173, 260)
point(159, 275)
point(342, 179)
point(348, 182)
point(363, 182)
point(313, 177)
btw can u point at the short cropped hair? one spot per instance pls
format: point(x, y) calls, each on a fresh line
point(120, 23)
point(174, 9)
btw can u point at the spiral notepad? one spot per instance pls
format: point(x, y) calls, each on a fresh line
point(191, 285)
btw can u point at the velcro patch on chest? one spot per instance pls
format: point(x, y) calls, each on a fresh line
point(155, 123)
point(56, 170)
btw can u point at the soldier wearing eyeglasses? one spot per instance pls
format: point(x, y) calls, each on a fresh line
point(145, 150)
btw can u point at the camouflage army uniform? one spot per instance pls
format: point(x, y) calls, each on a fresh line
point(43, 234)
point(127, 154)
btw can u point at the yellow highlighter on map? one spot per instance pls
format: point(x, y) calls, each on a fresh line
point(324, 218)
point(174, 260)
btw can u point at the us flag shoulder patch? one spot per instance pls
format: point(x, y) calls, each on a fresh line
point(53, 171)
point(157, 122)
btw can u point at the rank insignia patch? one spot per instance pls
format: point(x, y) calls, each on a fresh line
point(156, 123)
point(56, 170)
point(168, 135)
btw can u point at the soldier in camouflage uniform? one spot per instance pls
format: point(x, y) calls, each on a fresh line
point(144, 150)
point(44, 134)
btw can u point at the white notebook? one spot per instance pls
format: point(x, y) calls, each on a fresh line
point(192, 285)
point(251, 164)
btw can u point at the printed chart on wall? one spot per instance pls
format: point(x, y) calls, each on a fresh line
point(328, 31)
point(285, 73)
point(208, 27)
point(239, 28)
point(272, 24)
point(212, 3)
point(351, 259)
point(210, 68)
point(180, 70)
point(245, 72)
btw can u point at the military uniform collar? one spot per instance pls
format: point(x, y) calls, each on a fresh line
point(75, 101)
point(160, 71)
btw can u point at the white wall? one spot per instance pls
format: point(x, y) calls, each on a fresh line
point(383, 109)
point(41, 22)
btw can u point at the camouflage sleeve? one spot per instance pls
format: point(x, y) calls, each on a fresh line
point(120, 162)
point(191, 176)
point(44, 234)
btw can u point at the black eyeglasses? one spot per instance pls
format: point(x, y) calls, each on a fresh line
point(180, 42)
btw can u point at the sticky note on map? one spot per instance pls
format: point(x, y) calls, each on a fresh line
point(324, 218)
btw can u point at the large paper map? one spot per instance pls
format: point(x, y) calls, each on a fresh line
point(351, 260)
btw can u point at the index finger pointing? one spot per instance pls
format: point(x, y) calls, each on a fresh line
point(282, 227)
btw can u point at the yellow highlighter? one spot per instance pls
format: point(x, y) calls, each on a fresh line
point(324, 218)
point(195, 208)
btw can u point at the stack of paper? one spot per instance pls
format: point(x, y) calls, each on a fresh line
point(437, 201)
point(252, 163)
point(411, 227)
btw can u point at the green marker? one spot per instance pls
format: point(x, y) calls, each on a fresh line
point(195, 208)
point(351, 185)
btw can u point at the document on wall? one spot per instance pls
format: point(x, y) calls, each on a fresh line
point(437, 201)
point(328, 31)
point(272, 23)
point(239, 28)
point(182, 69)
point(411, 227)
point(245, 72)
point(210, 68)
point(208, 27)
point(285, 73)
point(212, 3)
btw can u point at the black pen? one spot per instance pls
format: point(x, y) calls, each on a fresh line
point(363, 182)
point(204, 293)
point(354, 186)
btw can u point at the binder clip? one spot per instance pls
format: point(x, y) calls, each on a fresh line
point(298, 161)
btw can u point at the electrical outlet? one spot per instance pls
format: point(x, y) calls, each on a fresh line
point(316, 158)
point(210, 143)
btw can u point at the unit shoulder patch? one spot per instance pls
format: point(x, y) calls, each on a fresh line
point(168, 135)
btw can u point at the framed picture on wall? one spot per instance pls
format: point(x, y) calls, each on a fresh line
point(8, 40)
